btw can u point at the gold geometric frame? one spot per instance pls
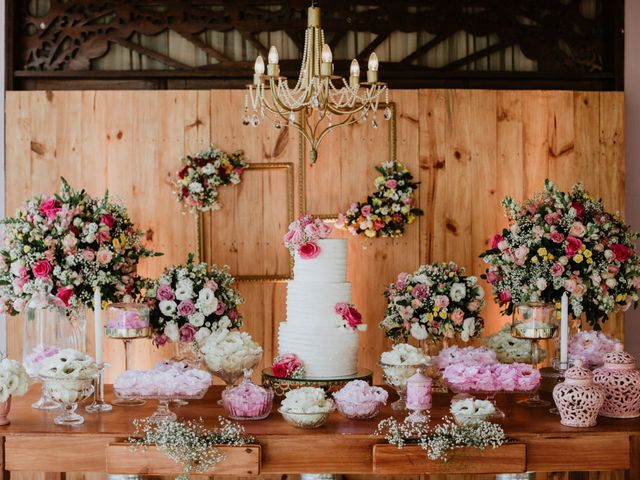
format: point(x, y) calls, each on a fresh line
point(393, 135)
point(288, 166)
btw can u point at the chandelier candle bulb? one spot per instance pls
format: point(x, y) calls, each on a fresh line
point(273, 69)
point(326, 67)
point(354, 74)
point(372, 73)
point(259, 70)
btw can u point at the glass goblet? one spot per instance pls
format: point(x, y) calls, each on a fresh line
point(68, 392)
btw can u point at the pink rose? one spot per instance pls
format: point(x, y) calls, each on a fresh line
point(492, 277)
point(520, 255)
point(622, 253)
point(474, 305)
point(160, 340)
point(495, 241)
point(164, 292)
point(557, 237)
point(41, 269)
point(577, 229)
point(552, 218)
point(50, 208)
point(107, 220)
point(279, 370)
point(103, 236)
point(308, 250)
point(220, 309)
point(457, 317)
point(613, 270)
point(573, 245)
point(570, 285)
point(557, 269)
point(579, 208)
point(442, 301)
point(187, 333)
point(391, 183)
point(353, 317)
point(401, 281)
point(311, 230)
point(211, 285)
point(69, 242)
point(366, 210)
point(65, 294)
point(186, 308)
point(286, 365)
point(104, 256)
point(420, 291)
point(341, 308)
point(505, 296)
point(324, 230)
point(88, 254)
point(232, 314)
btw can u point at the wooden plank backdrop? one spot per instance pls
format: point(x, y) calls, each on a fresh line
point(467, 148)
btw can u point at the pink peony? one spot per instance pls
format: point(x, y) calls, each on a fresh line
point(108, 220)
point(164, 292)
point(495, 241)
point(311, 230)
point(505, 296)
point(557, 269)
point(557, 237)
point(420, 291)
point(442, 301)
point(573, 245)
point(324, 230)
point(50, 208)
point(104, 256)
point(308, 250)
point(187, 333)
point(622, 253)
point(186, 308)
point(65, 295)
point(41, 269)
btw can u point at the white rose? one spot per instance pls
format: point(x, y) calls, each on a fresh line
point(207, 309)
point(207, 297)
point(541, 283)
point(419, 332)
point(458, 292)
point(468, 329)
point(197, 319)
point(171, 331)
point(168, 308)
point(184, 292)
point(611, 282)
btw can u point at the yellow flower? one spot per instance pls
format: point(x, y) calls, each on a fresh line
point(370, 233)
point(534, 259)
point(551, 257)
point(185, 181)
point(430, 317)
point(589, 261)
point(578, 258)
point(542, 251)
point(583, 247)
point(451, 274)
point(26, 249)
point(587, 253)
point(116, 243)
point(436, 309)
point(443, 314)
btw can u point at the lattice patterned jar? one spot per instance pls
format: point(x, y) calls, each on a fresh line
point(578, 398)
point(620, 380)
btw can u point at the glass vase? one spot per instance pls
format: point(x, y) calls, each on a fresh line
point(49, 327)
point(189, 354)
point(432, 347)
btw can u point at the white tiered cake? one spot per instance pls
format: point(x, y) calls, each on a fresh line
point(312, 330)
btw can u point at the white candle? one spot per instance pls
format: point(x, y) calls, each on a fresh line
point(97, 315)
point(564, 331)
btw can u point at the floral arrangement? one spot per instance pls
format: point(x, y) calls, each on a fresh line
point(288, 366)
point(306, 400)
point(303, 235)
point(498, 377)
point(13, 379)
point(591, 348)
point(561, 242)
point(349, 317)
point(386, 212)
point(189, 442)
point(468, 410)
point(437, 301)
point(200, 176)
point(189, 301)
point(69, 244)
point(464, 355)
point(443, 439)
point(231, 352)
point(167, 379)
point(509, 349)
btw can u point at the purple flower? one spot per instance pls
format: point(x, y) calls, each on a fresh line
point(186, 308)
point(164, 293)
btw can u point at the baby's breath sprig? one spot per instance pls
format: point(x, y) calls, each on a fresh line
point(189, 442)
point(440, 441)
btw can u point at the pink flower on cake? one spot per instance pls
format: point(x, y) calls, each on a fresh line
point(50, 208)
point(351, 317)
point(41, 269)
point(160, 340)
point(288, 366)
point(308, 250)
point(312, 230)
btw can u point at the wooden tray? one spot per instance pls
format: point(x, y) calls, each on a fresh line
point(121, 459)
point(389, 459)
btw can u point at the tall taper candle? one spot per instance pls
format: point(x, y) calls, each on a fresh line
point(564, 331)
point(97, 315)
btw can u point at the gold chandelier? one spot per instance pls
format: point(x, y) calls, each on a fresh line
point(315, 91)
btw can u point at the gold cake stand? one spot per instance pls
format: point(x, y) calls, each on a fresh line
point(281, 386)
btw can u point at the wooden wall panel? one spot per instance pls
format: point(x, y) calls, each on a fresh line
point(468, 149)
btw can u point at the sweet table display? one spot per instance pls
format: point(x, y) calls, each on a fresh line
point(534, 322)
point(398, 365)
point(619, 378)
point(358, 400)
point(578, 398)
point(306, 407)
point(68, 379)
point(247, 401)
point(166, 382)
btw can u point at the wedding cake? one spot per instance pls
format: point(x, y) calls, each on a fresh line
point(322, 325)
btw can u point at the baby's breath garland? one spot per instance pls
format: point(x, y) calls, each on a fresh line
point(189, 442)
point(440, 441)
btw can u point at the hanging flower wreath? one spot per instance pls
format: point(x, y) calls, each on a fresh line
point(200, 176)
point(385, 212)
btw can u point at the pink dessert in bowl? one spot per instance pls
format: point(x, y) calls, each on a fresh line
point(127, 321)
point(358, 400)
point(247, 401)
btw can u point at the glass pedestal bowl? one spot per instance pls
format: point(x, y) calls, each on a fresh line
point(396, 377)
point(67, 392)
point(163, 413)
point(231, 375)
point(305, 419)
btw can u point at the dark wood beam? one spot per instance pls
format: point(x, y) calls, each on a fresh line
point(248, 36)
point(206, 48)
point(438, 39)
point(170, 62)
point(375, 43)
point(485, 52)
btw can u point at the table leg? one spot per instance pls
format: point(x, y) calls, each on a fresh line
point(634, 458)
point(5, 473)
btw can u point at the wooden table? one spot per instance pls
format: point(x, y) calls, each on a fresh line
point(33, 443)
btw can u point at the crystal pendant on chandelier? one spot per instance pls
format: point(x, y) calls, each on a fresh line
point(347, 99)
